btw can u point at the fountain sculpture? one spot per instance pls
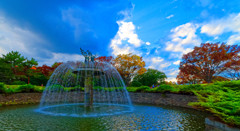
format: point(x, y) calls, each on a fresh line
point(85, 89)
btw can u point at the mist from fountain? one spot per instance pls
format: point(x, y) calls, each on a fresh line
point(85, 89)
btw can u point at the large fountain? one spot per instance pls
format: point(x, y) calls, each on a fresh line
point(85, 89)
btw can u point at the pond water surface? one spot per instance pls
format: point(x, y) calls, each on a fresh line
point(144, 117)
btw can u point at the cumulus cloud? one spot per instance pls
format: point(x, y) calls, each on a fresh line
point(157, 59)
point(216, 27)
point(157, 63)
point(176, 62)
point(234, 39)
point(126, 40)
point(183, 38)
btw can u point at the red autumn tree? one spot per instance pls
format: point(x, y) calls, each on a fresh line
point(107, 59)
point(48, 70)
point(209, 60)
point(45, 70)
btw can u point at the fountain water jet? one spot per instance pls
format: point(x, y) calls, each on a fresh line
point(85, 89)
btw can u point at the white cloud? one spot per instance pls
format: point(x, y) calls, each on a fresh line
point(157, 63)
point(30, 44)
point(174, 73)
point(176, 62)
point(183, 37)
point(157, 59)
point(164, 65)
point(173, 79)
point(170, 16)
point(234, 39)
point(14, 38)
point(126, 40)
point(148, 43)
point(216, 27)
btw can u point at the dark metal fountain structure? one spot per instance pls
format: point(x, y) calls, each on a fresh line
point(88, 79)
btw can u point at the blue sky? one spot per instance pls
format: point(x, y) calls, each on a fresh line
point(160, 31)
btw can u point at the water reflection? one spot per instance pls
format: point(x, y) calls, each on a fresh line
point(143, 118)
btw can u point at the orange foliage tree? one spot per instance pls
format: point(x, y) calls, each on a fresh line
point(129, 65)
point(208, 60)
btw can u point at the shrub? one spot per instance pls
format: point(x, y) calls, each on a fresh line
point(132, 89)
point(2, 88)
point(26, 88)
point(136, 84)
point(19, 83)
point(222, 99)
point(234, 85)
point(142, 89)
point(163, 88)
point(39, 88)
point(189, 88)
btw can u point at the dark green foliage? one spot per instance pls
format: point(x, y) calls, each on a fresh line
point(2, 88)
point(39, 80)
point(27, 88)
point(6, 73)
point(14, 58)
point(18, 83)
point(151, 77)
point(135, 84)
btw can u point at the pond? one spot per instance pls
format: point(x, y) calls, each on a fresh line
point(144, 117)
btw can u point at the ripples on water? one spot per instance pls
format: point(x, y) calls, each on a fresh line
point(143, 118)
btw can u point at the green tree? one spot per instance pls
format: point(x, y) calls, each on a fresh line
point(151, 77)
point(14, 58)
point(21, 66)
point(6, 73)
point(29, 68)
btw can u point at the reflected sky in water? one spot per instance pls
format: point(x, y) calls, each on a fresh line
point(143, 118)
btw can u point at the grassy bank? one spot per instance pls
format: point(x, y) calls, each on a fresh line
point(220, 98)
point(28, 88)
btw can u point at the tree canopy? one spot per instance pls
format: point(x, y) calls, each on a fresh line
point(151, 77)
point(129, 65)
point(208, 60)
